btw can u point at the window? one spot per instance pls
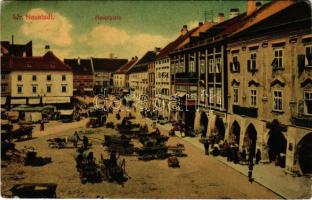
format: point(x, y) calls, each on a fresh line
point(277, 100)
point(19, 89)
point(202, 66)
point(309, 56)
point(235, 95)
point(63, 77)
point(252, 64)
point(192, 66)
point(49, 77)
point(235, 65)
point(34, 89)
point(210, 65)
point(34, 77)
point(2, 76)
point(211, 96)
point(63, 88)
point(254, 98)
point(218, 65)
point(3, 88)
point(308, 102)
point(19, 77)
point(278, 59)
point(219, 96)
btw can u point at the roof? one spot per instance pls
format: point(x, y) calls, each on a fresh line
point(107, 64)
point(142, 64)
point(17, 49)
point(84, 67)
point(262, 13)
point(46, 62)
point(123, 69)
point(289, 17)
point(183, 40)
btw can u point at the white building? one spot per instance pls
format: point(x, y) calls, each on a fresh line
point(40, 80)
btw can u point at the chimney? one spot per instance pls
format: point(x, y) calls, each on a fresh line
point(12, 39)
point(251, 6)
point(233, 12)
point(220, 17)
point(184, 30)
point(157, 49)
point(258, 5)
point(111, 55)
point(78, 60)
point(200, 23)
point(47, 48)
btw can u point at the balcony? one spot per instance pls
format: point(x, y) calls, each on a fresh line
point(245, 111)
point(186, 78)
point(304, 121)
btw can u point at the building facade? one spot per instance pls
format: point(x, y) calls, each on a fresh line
point(40, 80)
point(104, 69)
point(83, 76)
point(270, 86)
point(120, 76)
point(138, 77)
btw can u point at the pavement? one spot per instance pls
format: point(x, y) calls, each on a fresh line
point(268, 175)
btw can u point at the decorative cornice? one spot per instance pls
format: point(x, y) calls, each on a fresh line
point(253, 82)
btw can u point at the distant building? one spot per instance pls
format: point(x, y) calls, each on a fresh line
point(83, 75)
point(138, 75)
point(10, 50)
point(121, 74)
point(17, 50)
point(40, 80)
point(104, 69)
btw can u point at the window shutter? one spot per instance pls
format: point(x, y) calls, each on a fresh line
point(309, 58)
point(248, 65)
point(301, 63)
point(238, 66)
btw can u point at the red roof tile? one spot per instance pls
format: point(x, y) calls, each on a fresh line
point(123, 69)
point(46, 62)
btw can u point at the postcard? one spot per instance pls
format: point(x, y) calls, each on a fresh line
point(156, 99)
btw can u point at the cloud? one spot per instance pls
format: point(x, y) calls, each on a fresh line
point(55, 31)
point(105, 39)
point(144, 42)
point(107, 35)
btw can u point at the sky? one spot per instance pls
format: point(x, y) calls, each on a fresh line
point(75, 31)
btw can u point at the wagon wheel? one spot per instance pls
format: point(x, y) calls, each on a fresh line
point(146, 157)
point(160, 154)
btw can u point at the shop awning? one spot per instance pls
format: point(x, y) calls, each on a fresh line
point(48, 100)
point(3, 100)
point(26, 108)
point(18, 101)
point(34, 101)
point(66, 112)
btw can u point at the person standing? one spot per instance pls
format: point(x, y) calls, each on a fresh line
point(42, 126)
point(206, 146)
